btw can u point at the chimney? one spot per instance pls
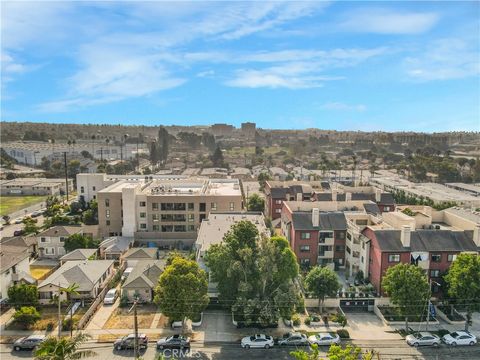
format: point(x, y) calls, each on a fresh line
point(476, 235)
point(348, 196)
point(378, 195)
point(405, 235)
point(315, 217)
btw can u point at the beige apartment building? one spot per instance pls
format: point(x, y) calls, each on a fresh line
point(167, 212)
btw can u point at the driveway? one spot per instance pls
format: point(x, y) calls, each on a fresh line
point(102, 315)
point(367, 326)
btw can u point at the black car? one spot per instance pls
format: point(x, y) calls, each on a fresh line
point(28, 343)
point(128, 342)
point(174, 342)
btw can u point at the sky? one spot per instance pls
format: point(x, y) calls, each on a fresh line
point(369, 66)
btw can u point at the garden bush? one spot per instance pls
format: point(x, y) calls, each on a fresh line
point(344, 334)
point(296, 319)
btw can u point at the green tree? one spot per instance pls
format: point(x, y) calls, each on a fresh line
point(335, 352)
point(262, 178)
point(182, 290)
point(79, 241)
point(27, 316)
point(463, 279)
point(23, 294)
point(217, 157)
point(255, 203)
point(163, 144)
point(322, 282)
point(408, 288)
point(30, 226)
point(54, 348)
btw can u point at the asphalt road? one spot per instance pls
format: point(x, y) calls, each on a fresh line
point(387, 349)
point(8, 230)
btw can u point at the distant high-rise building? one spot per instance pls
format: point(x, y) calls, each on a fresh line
point(249, 129)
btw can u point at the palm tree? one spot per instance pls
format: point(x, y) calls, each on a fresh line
point(63, 348)
point(70, 290)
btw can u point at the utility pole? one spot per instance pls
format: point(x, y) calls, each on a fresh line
point(135, 325)
point(59, 312)
point(66, 172)
point(429, 303)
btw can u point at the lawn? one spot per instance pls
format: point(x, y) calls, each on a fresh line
point(41, 272)
point(10, 204)
point(49, 315)
point(121, 319)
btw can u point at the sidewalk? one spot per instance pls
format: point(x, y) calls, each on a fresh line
point(5, 318)
point(101, 316)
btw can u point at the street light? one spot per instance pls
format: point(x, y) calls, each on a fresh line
point(429, 303)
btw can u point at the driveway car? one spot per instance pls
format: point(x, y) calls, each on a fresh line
point(36, 213)
point(293, 339)
point(423, 338)
point(110, 297)
point(28, 342)
point(257, 341)
point(18, 220)
point(173, 342)
point(127, 342)
point(460, 338)
point(326, 338)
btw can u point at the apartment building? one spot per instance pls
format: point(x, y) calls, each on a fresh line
point(166, 212)
point(34, 186)
point(429, 239)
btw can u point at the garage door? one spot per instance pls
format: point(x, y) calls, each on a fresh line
point(357, 305)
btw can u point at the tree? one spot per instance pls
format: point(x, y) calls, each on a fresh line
point(335, 352)
point(22, 294)
point(463, 279)
point(30, 226)
point(322, 282)
point(86, 154)
point(255, 203)
point(217, 157)
point(27, 316)
point(79, 241)
point(208, 140)
point(263, 177)
point(408, 288)
point(54, 348)
point(182, 290)
point(163, 144)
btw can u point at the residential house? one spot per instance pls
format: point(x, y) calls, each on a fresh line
point(91, 276)
point(51, 241)
point(133, 255)
point(114, 247)
point(79, 254)
point(14, 267)
point(142, 280)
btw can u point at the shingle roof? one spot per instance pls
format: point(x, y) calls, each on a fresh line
point(302, 220)
point(11, 255)
point(371, 208)
point(61, 231)
point(426, 240)
point(84, 273)
point(78, 254)
point(141, 253)
point(145, 274)
point(23, 241)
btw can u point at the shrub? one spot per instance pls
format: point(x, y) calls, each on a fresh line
point(443, 332)
point(124, 300)
point(315, 318)
point(341, 320)
point(296, 319)
point(300, 306)
point(27, 315)
point(344, 334)
point(307, 321)
point(50, 326)
point(67, 324)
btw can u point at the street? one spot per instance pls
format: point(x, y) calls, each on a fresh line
point(387, 349)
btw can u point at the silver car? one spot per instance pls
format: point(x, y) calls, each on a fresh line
point(28, 342)
point(327, 338)
point(423, 338)
point(293, 339)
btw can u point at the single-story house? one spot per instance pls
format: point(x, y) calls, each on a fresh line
point(141, 282)
point(133, 255)
point(79, 254)
point(91, 276)
point(115, 246)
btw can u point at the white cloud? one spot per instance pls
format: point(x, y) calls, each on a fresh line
point(383, 21)
point(445, 59)
point(343, 107)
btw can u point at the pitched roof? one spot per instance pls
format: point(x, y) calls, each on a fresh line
point(12, 255)
point(61, 231)
point(23, 241)
point(426, 240)
point(302, 220)
point(141, 253)
point(371, 208)
point(84, 273)
point(78, 254)
point(116, 244)
point(145, 274)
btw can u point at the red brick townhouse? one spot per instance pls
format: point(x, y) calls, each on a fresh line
point(277, 192)
point(316, 237)
point(432, 250)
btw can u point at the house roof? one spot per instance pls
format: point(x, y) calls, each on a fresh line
point(12, 255)
point(371, 208)
point(61, 231)
point(145, 274)
point(302, 220)
point(116, 244)
point(78, 254)
point(141, 253)
point(426, 240)
point(84, 273)
point(22, 241)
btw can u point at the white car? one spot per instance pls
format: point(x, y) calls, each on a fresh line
point(423, 338)
point(18, 220)
point(110, 297)
point(257, 341)
point(459, 338)
point(326, 338)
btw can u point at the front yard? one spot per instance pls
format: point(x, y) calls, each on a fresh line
point(121, 319)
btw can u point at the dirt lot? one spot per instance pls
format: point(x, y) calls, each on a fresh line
point(121, 319)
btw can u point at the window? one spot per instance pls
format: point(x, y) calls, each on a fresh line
point(191, 217)
point(191, 206)
point(436, 258)
point(305, 235)
point(155, 217)
point(143, 215)
point(213, 205)
point(386, 208)
point(107, 222)
point(323, 235)
point(348, 250)
point(156, 227)
point(82, 189)
point(340, 248)
point(49, 251)
point(202, 217)
point(394, 258)
point(107, 213)
point(305, 248)
point(93, 188)
point(278, 202)
point(434, 273)
point(107, 202)
point(180, 228)
point(191, 228)
point(278, 211)
point(305, 262)
point(451, 257)
point(167, 228)
point(143, 226)
point(143, 203)
point(232, 206)
point(203, 207)
point(155, 206)
point(43, 239)
point(341, 235)
point(62, 239)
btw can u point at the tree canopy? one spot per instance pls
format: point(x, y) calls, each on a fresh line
point(255, 203)
point(322, 282)
point(79, 241)
point(23, 295)
point(27, 316)
point(64, 348)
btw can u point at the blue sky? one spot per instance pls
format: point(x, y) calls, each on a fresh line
point(333, 65)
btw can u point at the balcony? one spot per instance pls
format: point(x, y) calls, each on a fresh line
point(425, 265)
point(326, 241)
point(325, 255)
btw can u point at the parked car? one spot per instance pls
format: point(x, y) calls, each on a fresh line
point(257, 341)
point(326, 338)
point(28, 342)
point(126, 273)
point(36, 213)
point(173, 342)
point(423, 338)
point(460, 338)
point(18, 220)
point(128, 342)
point(18, 232)
point(110, 297)
point(293, 339)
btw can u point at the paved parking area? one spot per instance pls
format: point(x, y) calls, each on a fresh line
point(365, 326)
point(102, 315)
